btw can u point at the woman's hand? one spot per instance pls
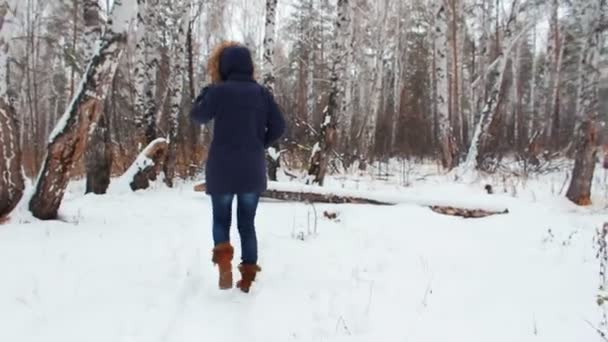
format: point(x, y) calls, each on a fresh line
point(205, 105)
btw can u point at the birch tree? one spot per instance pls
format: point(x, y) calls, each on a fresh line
point(346, 112)
point(274, 154)
point(446, 136)
point(455, 76)
point(147, 64)
point(181, 19)
point(378, 74)
point(549, 127)
point(486, 132)
point(98, 156)
point(11, 176)
point(327, 137)
point(590, 15)
point(68, 140)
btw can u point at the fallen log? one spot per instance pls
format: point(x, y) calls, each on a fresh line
point(311, 197)
point(309, 194)
point(466, 213)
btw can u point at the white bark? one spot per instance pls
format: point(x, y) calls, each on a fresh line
point(555, 51)
point(556, 86)
point(140, 63)
point(98, 157)
point(8, 28)
point(515, 96)
point(327, 137)
point(310, 86)
point(589, 95)
point(482, 133)
point(532, 114)
point(269, 44)
point(176, 83)
point(92, 29)
point(68, 139)
point(398, 56)
point(346, 117)
point(378, 74)
point(147, 62)
point(11, 176)
point(579, 190)
point(442, 92)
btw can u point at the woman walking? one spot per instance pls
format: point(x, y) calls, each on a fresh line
point(247, 121)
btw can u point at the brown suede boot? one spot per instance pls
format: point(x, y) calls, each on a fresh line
point(248, 273)
point(222, 257)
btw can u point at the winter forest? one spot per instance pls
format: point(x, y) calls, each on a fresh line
point(473, 133)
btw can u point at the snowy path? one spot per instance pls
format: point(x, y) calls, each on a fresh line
point(136, 267)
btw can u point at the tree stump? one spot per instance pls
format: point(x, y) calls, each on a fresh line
point(579, 190)
point(147, 165)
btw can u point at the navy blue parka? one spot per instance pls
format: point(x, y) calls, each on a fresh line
point(247, 121)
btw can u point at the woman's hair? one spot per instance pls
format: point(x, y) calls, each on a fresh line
point(213, 66)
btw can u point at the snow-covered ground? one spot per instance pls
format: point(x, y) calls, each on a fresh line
point(136, 267)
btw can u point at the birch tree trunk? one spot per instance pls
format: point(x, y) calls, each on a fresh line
point(480, 152)
point(377, 93)
point(555, 50)
point(269, 43)
point(176, 84)
point(140, 69)
point(310, 86)
point(98, 156)
point(446, 136)
point(274, 154)
point(532, 114)
point(319, 158)
point(456, 96)
point(146, 66)
point(11, 175)
point(346, 119)
point(516, 96)
point(554, 106)
point(68, 140)
point(399, 54)
point(579, 190)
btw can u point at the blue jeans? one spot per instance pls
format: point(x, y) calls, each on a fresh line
point(247, 205)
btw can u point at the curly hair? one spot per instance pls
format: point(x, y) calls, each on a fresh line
point(213, 65)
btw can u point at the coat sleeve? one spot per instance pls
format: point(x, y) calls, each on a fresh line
point(204, 107)
point(275, 123)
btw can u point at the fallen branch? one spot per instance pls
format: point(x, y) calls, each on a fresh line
point(312, 194)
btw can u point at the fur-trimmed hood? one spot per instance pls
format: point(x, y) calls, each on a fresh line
point(230, 59)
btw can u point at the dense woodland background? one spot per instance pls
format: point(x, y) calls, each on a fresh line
point(390, 76)
point(462, 82)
